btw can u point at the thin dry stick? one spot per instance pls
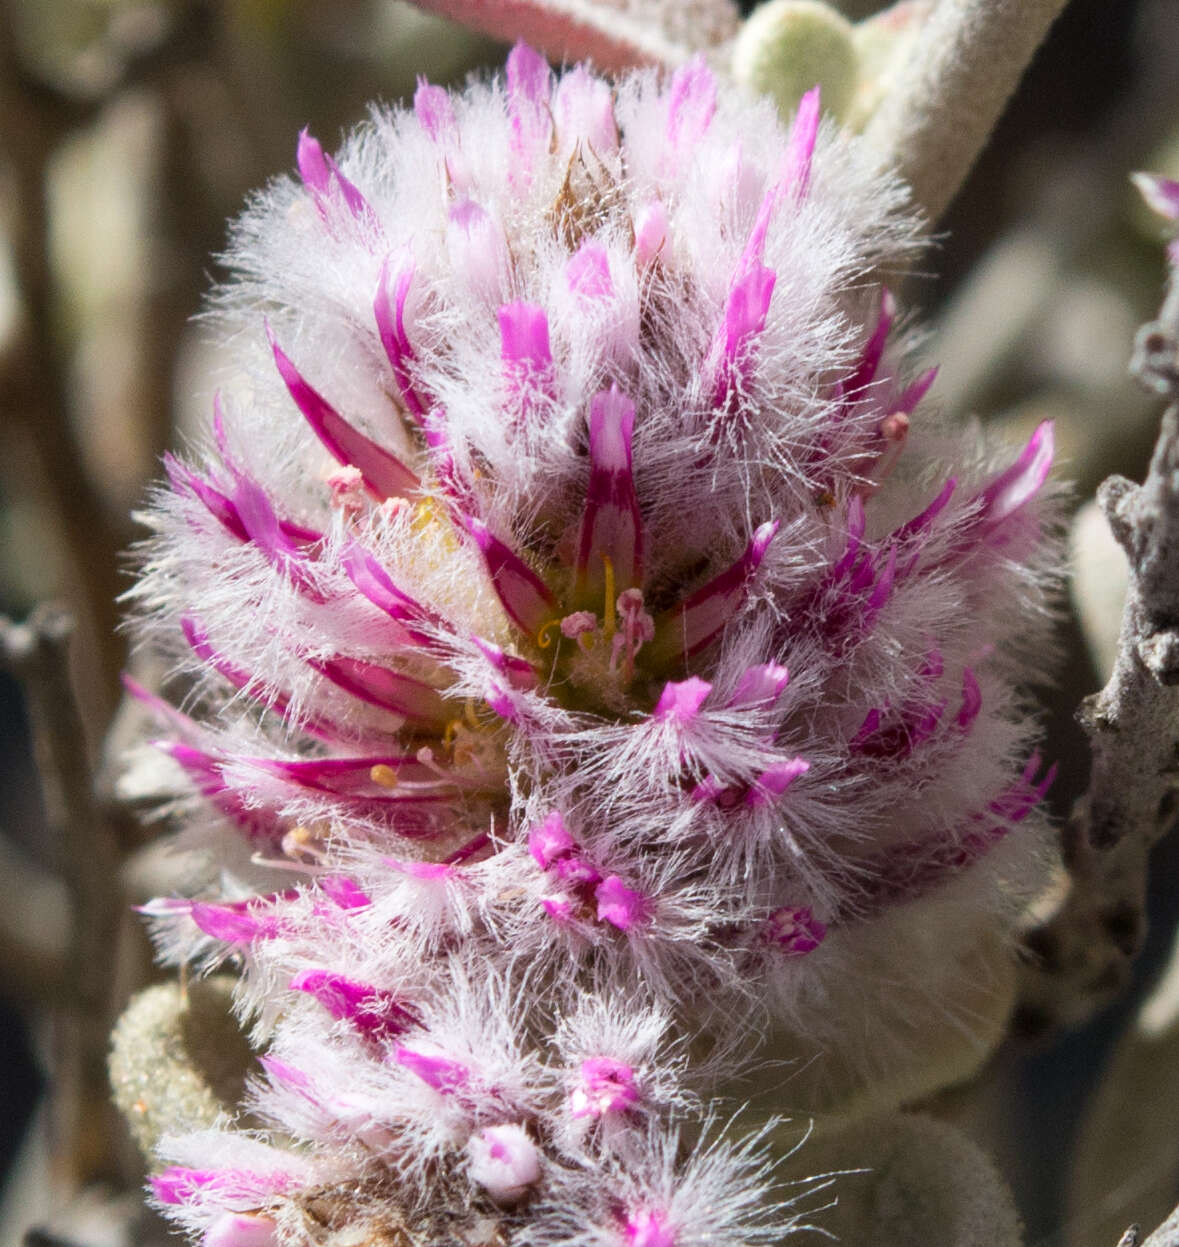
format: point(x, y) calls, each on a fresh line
point(1082, 954)
point(37, 654)
point(966, 61)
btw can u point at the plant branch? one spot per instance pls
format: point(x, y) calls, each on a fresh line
point(37, 654)
point(1083, 952)
point(962, 68)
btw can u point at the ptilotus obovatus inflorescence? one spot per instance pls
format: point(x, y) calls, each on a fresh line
point(601, 671)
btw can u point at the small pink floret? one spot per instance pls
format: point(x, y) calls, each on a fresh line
point(504, 1161)
point(438, 1072)
point(558, 908)
point(681, 700)
point(619, 905)
point(606, 1086)
point(650, 226)
point(434, 110)
point(551, 841)
point(588, 272)
point(344, 892)
point(646, 1228)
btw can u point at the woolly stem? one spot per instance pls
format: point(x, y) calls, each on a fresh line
point(963, 66)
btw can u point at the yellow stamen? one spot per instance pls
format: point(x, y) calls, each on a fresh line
point(429, 514)
point(297, 839)
point(544, 638)
point(609, 624)
point(469, 713)
point(383, 775)
point(452, 730)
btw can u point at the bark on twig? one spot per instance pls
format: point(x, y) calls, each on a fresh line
point(1082, 954)
point(37, 654)
point(962, 68)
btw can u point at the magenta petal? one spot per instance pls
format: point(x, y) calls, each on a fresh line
point(869, 362)
point(857, 522)
point(691, 104)
point(183, 479)
point(755, 245)
point(163, 710)
point(274, 700)
point(971, 700)
point(919, 523)
point(525, 597)
point(519, 672)
point(528, 109)
point(650, 230)
point(384, 474)
point(733, 351)
point(241, 1229)
point(550, 841)
point(265, 531)
point(434, 111)
point(389, 312)
point(681, 700)
point(909, 397)
point(588, 272)
point(605, 1086)
point(577, 872)
point(321, 175)
point(287, 1075)
point(802, 143)
point(204, 769)
point(700, 619)
point(1015, 487)
point(524, 338)
point(558, 908)
point(179, 1184)
point(646, 1227)
point(390, 690)
point(1018, 801)
point(619, 905)
point(528, 76)
point(584, 110)
point(882, 590)
point(343, 892)
point(867, 729)
point(759, 687)
point(353, 776)
point(374, 583)
point(711, 789)
point(611, 527)
point(234, 925)
point(774, 781)
point(435, 1071)
point(375, 1013)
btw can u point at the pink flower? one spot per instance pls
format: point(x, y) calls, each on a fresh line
point(582, 609)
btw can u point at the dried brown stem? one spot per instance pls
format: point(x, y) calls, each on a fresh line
point(1082, 953)
point(37, 654)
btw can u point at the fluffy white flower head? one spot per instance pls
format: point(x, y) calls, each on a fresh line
point(594, 644)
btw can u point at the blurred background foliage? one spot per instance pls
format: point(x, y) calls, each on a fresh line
point(130, 131)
